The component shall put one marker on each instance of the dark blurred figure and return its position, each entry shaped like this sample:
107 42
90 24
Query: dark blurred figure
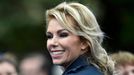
124 63
8 64
35 64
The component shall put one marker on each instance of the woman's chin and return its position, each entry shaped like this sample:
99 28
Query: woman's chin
58 62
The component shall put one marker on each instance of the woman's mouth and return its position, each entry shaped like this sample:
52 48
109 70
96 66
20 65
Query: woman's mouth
56 53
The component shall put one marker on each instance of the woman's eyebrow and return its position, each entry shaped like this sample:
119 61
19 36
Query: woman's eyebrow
61 30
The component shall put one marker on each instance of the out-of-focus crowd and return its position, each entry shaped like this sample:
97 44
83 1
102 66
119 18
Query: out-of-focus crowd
34 63
37 63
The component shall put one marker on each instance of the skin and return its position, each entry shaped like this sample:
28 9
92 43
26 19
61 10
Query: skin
126 70
7 69
32 66
64 47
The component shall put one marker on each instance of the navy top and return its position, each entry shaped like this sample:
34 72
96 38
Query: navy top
81 67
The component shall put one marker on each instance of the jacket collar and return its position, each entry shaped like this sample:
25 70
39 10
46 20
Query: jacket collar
81 61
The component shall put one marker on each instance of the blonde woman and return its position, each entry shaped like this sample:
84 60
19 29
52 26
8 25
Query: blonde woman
74 40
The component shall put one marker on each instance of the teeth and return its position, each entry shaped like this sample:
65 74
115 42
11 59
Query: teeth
57 52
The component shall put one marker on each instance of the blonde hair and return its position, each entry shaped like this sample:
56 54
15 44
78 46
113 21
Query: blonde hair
124 58
86 27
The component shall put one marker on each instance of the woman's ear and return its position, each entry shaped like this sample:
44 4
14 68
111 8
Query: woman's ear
84 45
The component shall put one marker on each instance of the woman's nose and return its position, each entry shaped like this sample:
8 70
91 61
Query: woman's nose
54 41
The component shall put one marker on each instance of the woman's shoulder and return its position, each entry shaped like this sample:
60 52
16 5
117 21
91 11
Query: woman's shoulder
90 69
85 70
82 67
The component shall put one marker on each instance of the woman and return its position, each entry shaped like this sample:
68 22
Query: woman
74 40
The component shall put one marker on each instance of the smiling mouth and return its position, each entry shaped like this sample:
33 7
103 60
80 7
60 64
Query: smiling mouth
57 52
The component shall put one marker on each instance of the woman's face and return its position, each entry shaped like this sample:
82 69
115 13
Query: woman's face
64 47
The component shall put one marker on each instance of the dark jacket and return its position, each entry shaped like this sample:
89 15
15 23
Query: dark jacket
81 67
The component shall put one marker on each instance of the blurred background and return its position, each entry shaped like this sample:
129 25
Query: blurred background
22 24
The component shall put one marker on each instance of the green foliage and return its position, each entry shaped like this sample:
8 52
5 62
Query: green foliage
22 23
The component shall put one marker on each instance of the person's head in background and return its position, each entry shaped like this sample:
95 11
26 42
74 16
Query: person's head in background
72 31
35 64
8 64
124 62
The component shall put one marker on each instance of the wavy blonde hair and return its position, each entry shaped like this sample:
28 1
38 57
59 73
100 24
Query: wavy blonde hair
79 20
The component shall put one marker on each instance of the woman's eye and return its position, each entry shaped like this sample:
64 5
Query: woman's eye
63 34
49 36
